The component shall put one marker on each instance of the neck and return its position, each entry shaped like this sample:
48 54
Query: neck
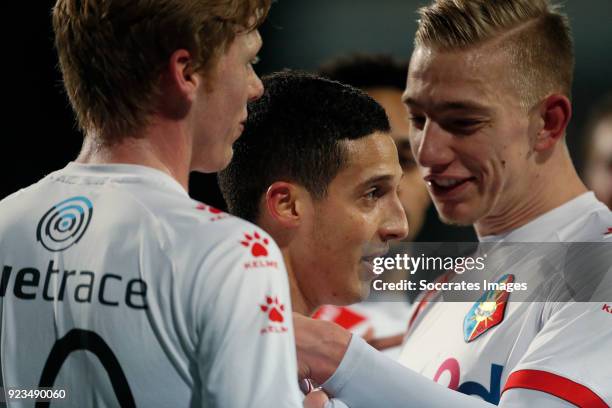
550 188
164 146
299 303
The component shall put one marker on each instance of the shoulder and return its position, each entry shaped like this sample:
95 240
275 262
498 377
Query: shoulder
593 226
200 235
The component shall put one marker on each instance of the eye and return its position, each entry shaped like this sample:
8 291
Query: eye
465 123
372 194
418 121
464 126
376 192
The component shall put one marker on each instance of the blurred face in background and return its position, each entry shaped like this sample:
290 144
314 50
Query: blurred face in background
598 171
413 191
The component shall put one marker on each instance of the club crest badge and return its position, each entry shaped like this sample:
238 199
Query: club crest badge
487 312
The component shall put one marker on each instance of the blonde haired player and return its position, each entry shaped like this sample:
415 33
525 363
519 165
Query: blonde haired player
488 94
116 287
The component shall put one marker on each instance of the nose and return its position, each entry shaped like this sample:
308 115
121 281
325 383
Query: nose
256 88
433 148
395 224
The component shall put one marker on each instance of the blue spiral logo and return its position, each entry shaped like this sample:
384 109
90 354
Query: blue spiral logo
64 224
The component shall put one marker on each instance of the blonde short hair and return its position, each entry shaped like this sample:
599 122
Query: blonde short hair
535 33
112 52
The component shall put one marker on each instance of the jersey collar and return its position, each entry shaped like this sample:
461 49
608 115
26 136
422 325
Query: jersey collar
546 225
126 171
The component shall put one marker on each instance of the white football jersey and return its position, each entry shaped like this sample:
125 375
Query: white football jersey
551 345
118 288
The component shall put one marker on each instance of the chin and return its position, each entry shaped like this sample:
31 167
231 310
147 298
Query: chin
365 291
229 153
213 161
457 214
225 159
349 296
361 292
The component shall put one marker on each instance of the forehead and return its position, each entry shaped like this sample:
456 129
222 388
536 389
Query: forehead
368 158
475 76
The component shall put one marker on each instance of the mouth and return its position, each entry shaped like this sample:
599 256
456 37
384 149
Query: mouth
367 262
448 187
370 259
367 270
377 250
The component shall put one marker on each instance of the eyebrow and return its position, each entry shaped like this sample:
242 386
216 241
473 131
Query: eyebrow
378 179
450 105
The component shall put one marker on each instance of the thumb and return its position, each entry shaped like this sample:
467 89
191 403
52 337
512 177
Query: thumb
316 399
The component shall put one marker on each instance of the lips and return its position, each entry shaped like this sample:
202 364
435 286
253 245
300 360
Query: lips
448 187
242 122
240 130
368 259
367 271
375 254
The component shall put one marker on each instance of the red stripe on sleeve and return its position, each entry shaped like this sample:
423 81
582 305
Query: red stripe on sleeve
556 385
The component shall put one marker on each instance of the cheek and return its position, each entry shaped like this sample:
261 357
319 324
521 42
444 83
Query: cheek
235 102
343 227
345 241
240 92
487 160
233 92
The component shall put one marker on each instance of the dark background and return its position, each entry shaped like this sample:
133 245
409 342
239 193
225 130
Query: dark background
39 134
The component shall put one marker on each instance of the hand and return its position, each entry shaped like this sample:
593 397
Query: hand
383 343
369 335
320 347
316 399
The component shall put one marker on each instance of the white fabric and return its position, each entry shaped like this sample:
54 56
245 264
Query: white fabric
568 339
368 379
210 330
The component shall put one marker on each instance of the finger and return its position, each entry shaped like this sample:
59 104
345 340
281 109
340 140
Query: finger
369 334
316 399
384 343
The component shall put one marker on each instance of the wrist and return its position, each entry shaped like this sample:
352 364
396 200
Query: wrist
334 343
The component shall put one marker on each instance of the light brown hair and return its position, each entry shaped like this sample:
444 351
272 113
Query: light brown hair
112 52
535 34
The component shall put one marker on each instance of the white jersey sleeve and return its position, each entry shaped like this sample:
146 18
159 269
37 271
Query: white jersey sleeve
566 358
249 326
176 304
366 378
516 399
354 385
524 398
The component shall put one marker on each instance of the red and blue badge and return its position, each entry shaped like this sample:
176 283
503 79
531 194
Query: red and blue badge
487 312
